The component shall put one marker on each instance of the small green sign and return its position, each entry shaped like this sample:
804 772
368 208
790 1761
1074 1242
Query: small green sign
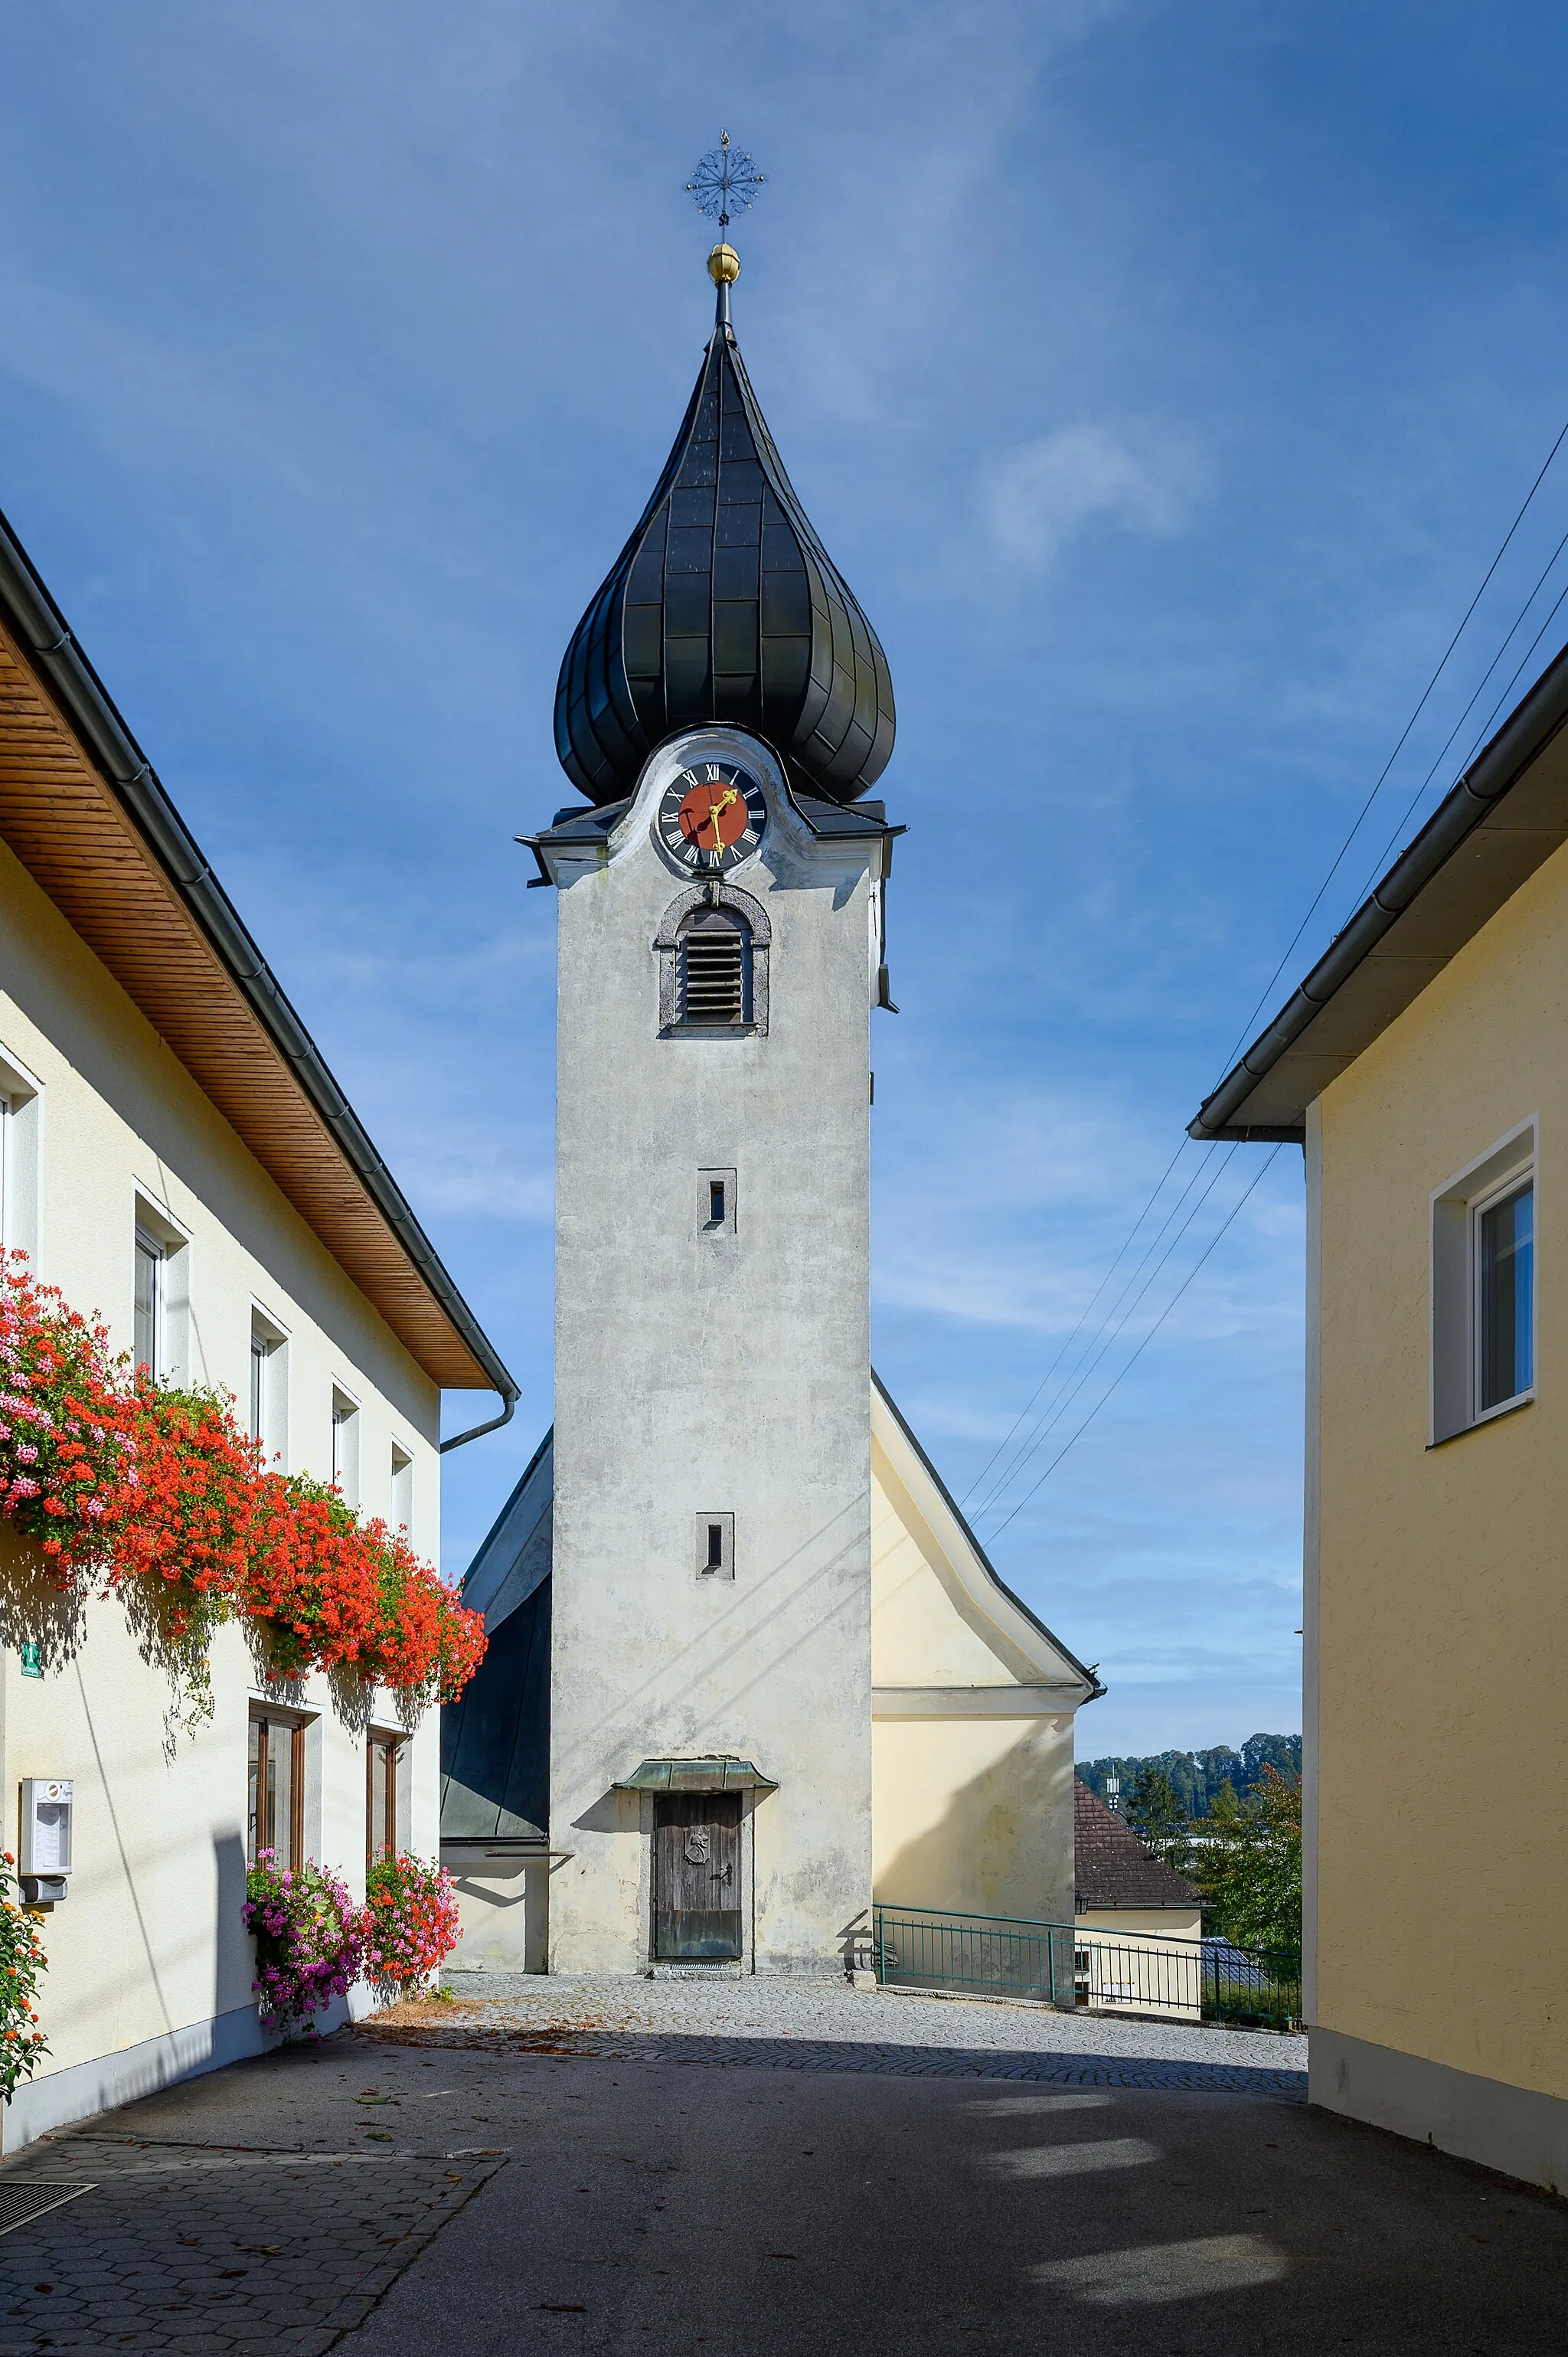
32 1667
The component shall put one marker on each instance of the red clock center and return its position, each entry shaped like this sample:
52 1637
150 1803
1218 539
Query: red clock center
713 816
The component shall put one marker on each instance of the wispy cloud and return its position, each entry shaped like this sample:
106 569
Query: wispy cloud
1036 498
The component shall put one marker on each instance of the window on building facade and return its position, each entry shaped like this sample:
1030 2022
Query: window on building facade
275 1814
715 1545
714 982
268 1418
346 1445
21 1116
161 1294
402 1488
1483 1288
150 1307
1505 1284
383 1754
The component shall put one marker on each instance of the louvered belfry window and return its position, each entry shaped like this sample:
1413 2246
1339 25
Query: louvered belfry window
715 969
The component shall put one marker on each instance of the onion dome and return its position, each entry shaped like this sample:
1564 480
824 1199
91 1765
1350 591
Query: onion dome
724 606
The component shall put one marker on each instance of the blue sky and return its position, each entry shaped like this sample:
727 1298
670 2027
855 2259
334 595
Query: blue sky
1163 380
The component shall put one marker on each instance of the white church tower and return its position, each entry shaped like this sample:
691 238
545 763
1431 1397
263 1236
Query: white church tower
748 1668
724 705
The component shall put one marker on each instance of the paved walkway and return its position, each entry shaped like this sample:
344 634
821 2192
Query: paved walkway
825 2026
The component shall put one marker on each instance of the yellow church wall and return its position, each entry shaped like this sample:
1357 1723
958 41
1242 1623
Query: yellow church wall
972 1712
967 1815
917 1636
1437 1605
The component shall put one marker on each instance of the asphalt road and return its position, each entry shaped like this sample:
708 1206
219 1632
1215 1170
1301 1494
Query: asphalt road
595 2203
663 2209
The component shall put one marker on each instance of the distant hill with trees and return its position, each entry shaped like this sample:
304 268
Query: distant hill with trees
1196 1777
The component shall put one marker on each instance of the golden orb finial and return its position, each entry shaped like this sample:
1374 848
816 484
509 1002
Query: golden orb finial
724 265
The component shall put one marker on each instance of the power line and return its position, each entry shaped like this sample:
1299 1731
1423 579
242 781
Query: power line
1393 757
1148 1338
1085 1367
1004 1444
1382 861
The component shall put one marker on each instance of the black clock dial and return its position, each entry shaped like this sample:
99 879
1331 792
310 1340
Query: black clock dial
711 816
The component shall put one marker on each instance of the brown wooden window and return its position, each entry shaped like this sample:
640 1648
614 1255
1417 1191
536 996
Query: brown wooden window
382 1753
274 1814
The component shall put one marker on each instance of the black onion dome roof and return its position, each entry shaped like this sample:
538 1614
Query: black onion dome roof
724 605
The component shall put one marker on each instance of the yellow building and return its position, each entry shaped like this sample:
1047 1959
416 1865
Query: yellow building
1423 1067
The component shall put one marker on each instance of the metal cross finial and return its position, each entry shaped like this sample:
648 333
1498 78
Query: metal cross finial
724 177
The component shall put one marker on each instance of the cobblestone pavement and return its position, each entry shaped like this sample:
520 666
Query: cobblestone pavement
264 2235
817 2026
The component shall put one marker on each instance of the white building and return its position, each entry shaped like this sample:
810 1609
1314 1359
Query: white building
178 1156
747 1660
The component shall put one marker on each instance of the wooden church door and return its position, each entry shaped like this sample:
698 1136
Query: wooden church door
696 1875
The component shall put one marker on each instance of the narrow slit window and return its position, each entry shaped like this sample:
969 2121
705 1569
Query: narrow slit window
1505 1274
716 1202
715 1547
715 970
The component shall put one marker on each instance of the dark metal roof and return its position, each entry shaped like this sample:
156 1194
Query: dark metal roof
724 606
495 1739
726 1774
1507 815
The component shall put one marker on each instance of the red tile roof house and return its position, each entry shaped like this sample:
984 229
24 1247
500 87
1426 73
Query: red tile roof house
1137 1922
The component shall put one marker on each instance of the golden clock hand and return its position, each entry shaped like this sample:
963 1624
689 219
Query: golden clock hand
716 810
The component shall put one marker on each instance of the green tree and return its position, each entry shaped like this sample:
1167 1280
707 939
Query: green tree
1249 1870
1158 1816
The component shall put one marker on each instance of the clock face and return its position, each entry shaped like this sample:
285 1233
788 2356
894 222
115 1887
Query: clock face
711 816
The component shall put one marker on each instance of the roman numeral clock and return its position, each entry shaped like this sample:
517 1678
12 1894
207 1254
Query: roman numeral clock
712 816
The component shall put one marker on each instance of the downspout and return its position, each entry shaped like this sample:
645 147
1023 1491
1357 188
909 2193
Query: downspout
495 1424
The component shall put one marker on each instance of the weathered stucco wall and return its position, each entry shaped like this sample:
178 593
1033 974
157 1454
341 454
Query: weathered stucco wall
149 1968
727 1373
1441 1605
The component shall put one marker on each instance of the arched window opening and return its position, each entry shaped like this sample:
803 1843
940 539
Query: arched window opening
715 969
713 948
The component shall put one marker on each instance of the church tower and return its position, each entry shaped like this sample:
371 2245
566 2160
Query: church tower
723 708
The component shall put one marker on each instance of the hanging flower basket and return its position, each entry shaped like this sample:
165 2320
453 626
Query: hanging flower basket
411 1922
308 1936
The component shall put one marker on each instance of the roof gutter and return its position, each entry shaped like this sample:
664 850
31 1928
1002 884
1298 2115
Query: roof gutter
83 697
1521 740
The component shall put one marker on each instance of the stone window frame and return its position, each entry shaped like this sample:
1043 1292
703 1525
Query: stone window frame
712 894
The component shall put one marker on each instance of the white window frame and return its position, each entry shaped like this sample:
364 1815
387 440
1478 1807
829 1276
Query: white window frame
149 1248
346 1435
1457 1211
154 1226
400 1489
273 1403
21 1160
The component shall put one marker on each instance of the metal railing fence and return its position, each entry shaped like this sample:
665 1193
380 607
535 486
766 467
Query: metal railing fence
1070 1965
